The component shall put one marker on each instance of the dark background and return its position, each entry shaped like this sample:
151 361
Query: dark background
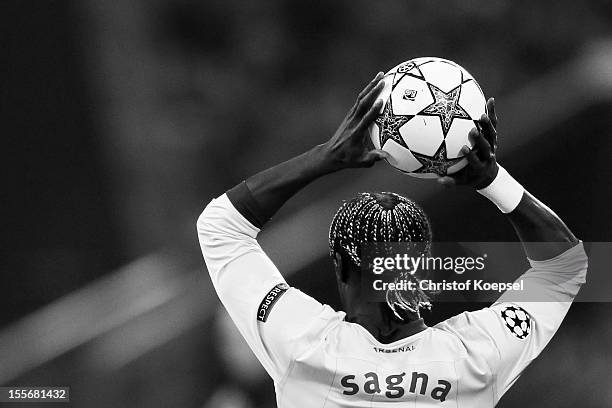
123 119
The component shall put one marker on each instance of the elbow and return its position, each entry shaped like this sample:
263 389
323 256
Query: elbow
202 220
206 226
582 262
222 238
219 230
585 265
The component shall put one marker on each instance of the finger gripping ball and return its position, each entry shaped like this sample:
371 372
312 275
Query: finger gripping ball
430 105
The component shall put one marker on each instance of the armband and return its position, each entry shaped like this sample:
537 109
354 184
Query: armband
242 199
504 191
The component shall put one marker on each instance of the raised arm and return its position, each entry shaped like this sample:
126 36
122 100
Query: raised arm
348 147
270 315
517 327
543 234
228 226
534 223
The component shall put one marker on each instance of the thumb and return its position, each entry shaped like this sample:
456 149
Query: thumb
376 155
373 156
447 181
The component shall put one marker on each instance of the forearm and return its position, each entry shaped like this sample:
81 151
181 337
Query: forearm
228 226
260 197
271 188
543 233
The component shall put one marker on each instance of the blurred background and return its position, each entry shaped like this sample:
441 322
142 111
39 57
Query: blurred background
124 118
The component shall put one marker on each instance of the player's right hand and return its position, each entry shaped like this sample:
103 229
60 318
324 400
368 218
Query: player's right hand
482 165
350 146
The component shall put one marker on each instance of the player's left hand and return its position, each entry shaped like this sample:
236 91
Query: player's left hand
482 165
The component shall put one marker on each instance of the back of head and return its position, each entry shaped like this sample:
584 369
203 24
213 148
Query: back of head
378 218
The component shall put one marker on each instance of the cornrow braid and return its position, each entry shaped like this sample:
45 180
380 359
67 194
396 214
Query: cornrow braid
380 218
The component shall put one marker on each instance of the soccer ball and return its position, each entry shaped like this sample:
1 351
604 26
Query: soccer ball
430 105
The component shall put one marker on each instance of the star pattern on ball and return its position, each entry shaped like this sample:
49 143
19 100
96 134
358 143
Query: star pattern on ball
439 163
406 69
445 106
389 123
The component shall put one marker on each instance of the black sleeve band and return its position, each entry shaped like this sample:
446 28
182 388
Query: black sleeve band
241 197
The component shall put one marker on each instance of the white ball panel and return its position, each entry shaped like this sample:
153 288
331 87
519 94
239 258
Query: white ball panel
423 134
403 106
472 100
457 137
466 74
401 157
444 76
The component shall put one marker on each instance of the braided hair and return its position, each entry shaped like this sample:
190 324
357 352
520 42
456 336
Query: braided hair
380 218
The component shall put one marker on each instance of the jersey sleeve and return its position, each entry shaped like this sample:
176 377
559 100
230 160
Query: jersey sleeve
515 329
278 322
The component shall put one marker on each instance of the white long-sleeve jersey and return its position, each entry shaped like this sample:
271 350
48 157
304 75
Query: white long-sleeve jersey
319 360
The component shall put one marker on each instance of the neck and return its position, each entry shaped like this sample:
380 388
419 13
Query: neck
379 320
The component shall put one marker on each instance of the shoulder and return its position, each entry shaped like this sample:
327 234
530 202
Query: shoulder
448 340
298 315
468 330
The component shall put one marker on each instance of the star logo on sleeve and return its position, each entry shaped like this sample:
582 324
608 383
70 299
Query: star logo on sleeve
445 106
388 124
438 163
517 321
